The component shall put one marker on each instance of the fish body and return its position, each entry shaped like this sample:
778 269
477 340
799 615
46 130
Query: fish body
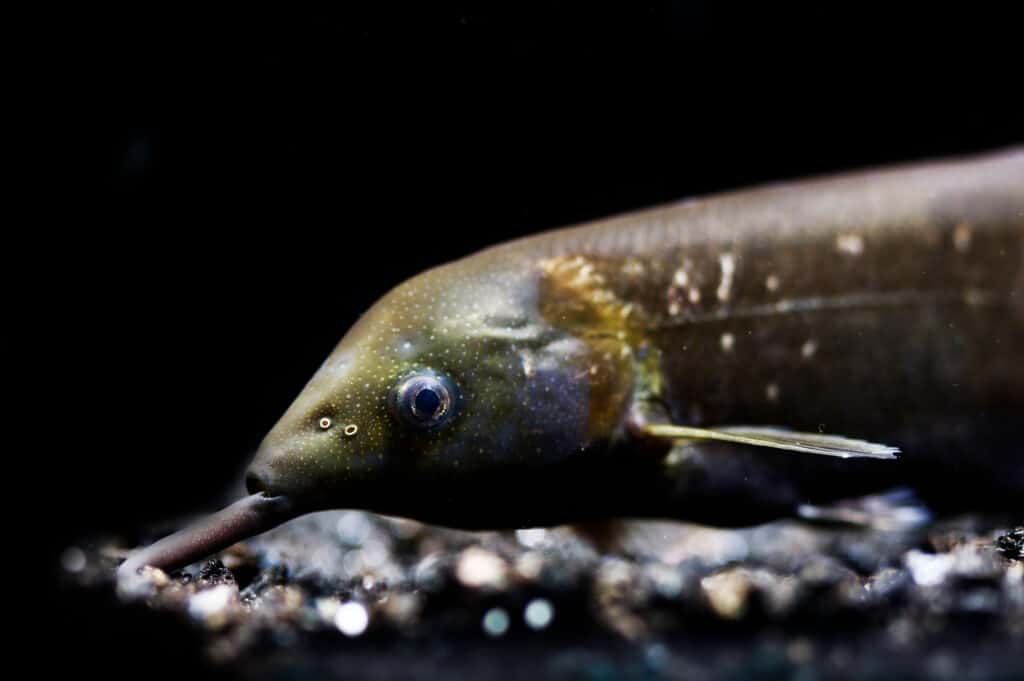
888 305
519 386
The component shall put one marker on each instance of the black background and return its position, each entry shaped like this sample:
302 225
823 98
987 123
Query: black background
244 185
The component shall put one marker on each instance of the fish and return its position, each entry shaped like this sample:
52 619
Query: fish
727 360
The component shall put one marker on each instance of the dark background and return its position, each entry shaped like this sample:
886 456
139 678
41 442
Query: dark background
245 185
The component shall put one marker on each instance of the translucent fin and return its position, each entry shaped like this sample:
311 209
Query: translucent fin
778 438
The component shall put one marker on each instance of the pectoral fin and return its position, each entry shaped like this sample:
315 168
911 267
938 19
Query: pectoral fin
776 438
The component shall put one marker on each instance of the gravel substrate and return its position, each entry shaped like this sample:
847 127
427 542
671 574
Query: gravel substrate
353 595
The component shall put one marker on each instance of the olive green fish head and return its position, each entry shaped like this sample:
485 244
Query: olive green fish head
450 387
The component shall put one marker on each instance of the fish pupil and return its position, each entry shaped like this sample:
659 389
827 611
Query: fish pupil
427 402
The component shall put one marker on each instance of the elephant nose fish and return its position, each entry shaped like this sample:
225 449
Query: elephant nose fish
727 360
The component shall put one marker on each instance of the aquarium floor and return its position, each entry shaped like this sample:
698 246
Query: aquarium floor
349 595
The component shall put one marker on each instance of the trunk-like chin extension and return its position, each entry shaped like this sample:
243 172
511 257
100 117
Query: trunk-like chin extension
246 517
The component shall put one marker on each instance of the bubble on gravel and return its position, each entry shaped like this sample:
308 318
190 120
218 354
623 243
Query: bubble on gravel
530 565
539 613
354 527
374 554
929 569
657 656
403 609
495 622
429 573
667 580
727 592
212 605
352 619
327 608
481 568
532 538
143 584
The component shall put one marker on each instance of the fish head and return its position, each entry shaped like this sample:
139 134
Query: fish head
452 391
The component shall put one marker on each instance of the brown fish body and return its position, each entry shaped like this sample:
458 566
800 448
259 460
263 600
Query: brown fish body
886 304
540 381
883 305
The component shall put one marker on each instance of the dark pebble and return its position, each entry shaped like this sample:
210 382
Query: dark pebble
1011 544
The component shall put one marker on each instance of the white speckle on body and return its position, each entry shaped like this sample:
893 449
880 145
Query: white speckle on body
850 244
728 341
633 268
771 392
584 275
727 261
352 619
962 237
680 278
975 297
694 295
528 363
808 349
772 282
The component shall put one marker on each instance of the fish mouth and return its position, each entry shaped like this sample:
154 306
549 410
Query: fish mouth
255 484
245 518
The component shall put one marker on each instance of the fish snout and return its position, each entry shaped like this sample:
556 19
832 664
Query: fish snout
272 475
264 474
256 480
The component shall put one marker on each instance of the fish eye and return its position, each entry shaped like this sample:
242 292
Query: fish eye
423 400
325 423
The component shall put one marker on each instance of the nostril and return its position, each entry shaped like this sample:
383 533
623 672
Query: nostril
254 483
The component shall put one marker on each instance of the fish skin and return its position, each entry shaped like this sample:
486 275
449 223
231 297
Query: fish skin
885 305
